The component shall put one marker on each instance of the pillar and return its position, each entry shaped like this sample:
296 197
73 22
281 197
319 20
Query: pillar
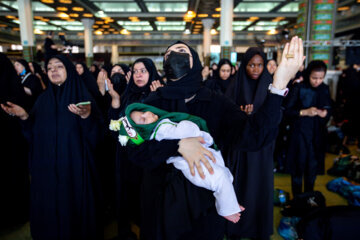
114 54
226 32
316 21
207 23
26 29
88 38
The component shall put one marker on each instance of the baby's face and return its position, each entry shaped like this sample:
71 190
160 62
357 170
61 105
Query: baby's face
143 117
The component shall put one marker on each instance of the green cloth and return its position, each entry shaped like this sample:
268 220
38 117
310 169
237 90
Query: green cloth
139 133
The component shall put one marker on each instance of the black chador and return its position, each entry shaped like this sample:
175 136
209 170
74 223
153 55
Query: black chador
65 193
252 170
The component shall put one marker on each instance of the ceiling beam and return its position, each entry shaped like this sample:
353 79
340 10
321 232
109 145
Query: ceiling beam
279 6
250 25
144 9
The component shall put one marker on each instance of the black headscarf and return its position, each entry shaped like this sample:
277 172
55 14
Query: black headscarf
10 86
244 90
25 64
221 84
107 68
96 72
119 79
315 65
124 67
133 93
89 80
177 91
38 70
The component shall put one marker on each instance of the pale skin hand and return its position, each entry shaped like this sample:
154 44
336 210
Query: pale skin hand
311 112
115 97
128 76
288 67
82 111
102 76
322 113
155 85
194 153
15 110
248 109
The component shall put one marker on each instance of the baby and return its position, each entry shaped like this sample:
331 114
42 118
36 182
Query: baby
141 123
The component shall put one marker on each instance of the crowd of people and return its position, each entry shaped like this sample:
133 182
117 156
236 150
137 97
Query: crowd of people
188 142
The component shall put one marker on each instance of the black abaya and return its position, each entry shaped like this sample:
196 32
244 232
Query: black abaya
252 170
14 176
216 83
65 193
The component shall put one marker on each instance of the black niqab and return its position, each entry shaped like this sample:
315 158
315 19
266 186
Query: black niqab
245 90
186 87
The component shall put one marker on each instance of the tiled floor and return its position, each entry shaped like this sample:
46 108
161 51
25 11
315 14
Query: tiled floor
282 181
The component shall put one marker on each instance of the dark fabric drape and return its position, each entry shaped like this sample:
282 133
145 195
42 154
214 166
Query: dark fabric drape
254 193
65 189
14 176
90 82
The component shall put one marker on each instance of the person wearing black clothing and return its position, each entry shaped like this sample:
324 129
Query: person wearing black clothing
14 175
37 71
309 109
88 80
221 78
348 98
249 90
173 208
65 193
31 83
94 69
49 46
143 80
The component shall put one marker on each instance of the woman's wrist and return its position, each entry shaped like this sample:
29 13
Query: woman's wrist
115 103
24 117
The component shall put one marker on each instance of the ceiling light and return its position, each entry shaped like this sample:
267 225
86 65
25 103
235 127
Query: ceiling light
10 17
87 15
343 8
99 22
106 26
38 17
65 1
98 32
95 26
45 19
78 9
202 15
62 8
187 31
124 31
197 26
80 34
16 29
216 15
47 1
161 19
37 31
213 32
271 32
218 9
3 25
63 15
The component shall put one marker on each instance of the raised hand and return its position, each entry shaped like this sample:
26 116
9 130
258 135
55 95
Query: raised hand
155 85
15 110
115 97
291 60
102 76
128 76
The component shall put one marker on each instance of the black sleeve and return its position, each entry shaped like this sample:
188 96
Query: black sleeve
151 154
292 109
250 132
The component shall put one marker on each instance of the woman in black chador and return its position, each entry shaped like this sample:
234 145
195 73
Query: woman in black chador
65 194
221 77
252 170
172 207
14 176
309 109
88 80
30 82
143 80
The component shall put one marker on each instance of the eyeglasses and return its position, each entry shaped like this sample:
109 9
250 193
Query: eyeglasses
142 71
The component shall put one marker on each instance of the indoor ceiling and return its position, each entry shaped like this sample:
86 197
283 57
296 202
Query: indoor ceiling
148 16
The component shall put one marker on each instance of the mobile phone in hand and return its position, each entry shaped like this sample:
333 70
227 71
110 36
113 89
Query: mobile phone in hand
83 103
106 86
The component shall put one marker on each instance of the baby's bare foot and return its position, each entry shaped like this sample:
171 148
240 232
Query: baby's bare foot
233 218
